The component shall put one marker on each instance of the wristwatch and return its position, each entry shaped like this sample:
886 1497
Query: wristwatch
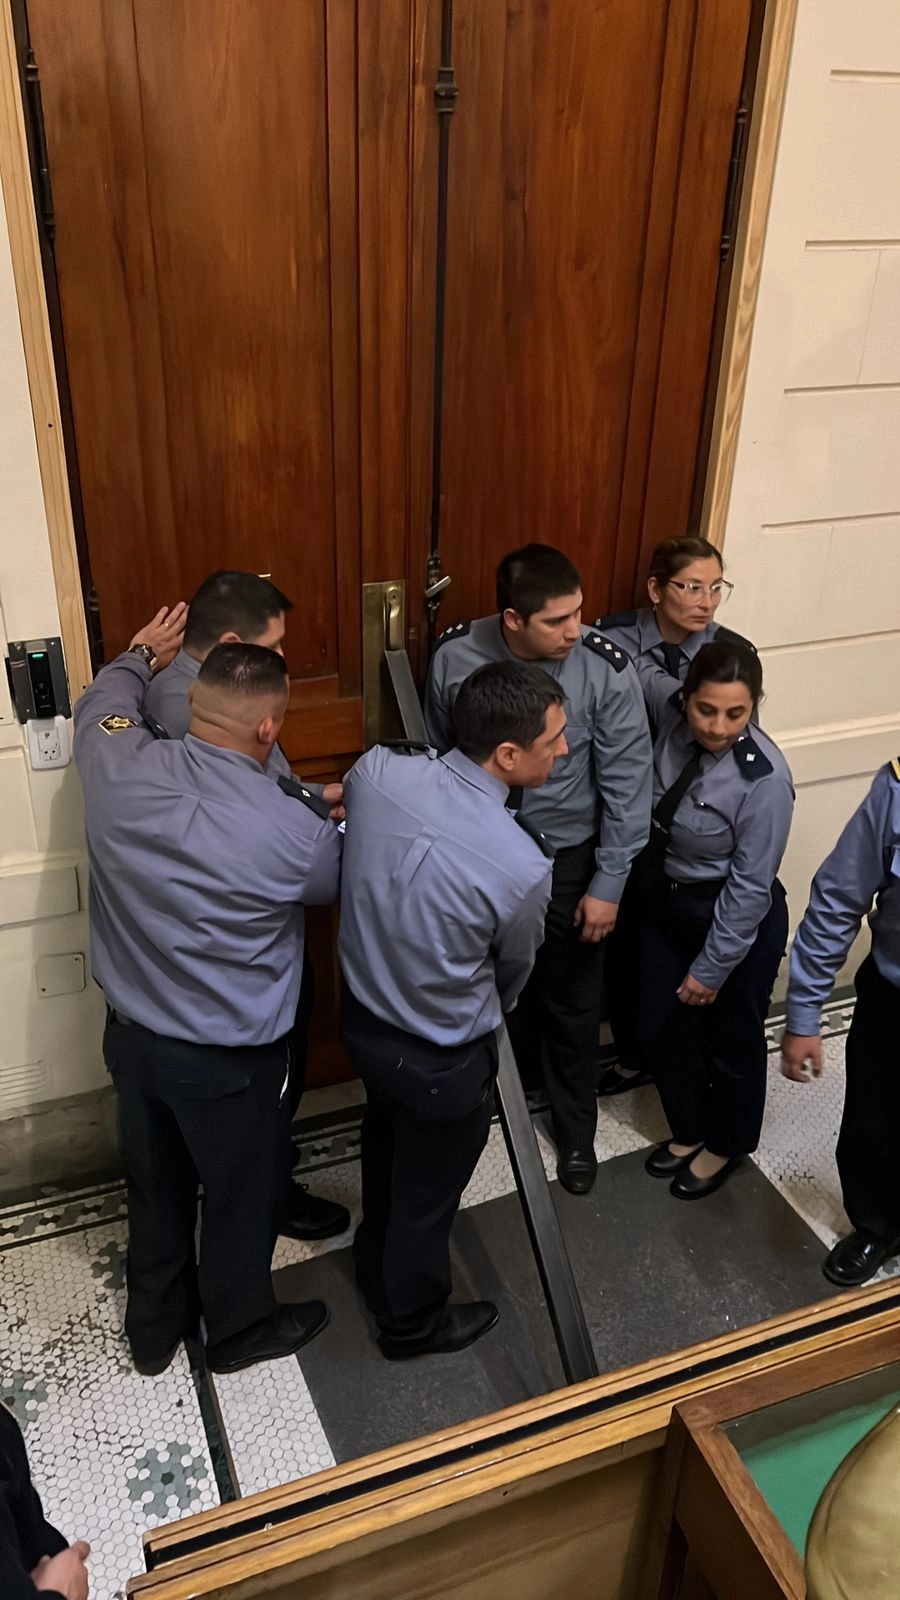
146 653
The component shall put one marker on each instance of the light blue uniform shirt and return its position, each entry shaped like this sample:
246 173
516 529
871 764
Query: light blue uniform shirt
732 824
637 633
603 784
167 702
443 895
200 869
863 866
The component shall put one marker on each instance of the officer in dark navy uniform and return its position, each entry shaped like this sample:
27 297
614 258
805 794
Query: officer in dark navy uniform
244 608
442 910
863 867
713 913
686 588
200 869
594 809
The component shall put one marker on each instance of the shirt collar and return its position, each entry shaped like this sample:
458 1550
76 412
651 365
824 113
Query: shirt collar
472 773
203 751
186 666
650 636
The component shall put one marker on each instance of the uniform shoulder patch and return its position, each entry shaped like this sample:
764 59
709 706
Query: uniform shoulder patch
534 833
895 767
618 659
457 630
728 636
411 747
752 762
299 791
118 724
617 619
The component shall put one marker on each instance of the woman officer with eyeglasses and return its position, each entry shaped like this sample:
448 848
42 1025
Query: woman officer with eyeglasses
686 586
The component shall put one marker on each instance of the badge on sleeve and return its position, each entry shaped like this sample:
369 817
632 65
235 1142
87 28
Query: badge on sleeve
117 724
895 766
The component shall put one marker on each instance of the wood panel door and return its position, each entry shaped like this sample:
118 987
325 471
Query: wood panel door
230 182
590 150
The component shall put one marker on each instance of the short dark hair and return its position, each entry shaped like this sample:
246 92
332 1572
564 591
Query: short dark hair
232 602
672 555
528 578
245 669
505 700
725 662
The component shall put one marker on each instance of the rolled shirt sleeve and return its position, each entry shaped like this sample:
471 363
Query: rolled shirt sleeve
841 894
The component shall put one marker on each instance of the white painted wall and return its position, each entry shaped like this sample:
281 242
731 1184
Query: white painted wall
49 1047
813 528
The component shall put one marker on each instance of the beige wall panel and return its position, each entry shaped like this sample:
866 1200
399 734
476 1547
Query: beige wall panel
881 356
833 307
819 580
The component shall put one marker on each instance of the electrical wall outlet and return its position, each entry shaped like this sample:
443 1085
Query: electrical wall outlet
48 742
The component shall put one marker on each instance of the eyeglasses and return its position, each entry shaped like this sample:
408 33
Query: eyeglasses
720 590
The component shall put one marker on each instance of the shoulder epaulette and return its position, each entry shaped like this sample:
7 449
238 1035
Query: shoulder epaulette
617 619
752 762
156 728
413 747
534 833
457 630
299 791
618 659
895 767
728 636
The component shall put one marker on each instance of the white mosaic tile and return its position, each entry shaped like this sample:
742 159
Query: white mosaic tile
273 1428
112 1453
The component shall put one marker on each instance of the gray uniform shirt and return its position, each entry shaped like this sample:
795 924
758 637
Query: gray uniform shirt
443 895
167 702
604 783
200 868
863 866
637 633
732 824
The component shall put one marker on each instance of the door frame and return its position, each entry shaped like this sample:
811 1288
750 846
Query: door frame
393 491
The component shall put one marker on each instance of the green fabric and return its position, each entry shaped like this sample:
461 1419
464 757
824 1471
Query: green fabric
791 1470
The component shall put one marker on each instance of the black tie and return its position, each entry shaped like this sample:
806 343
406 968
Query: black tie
514 798
667 805
672 659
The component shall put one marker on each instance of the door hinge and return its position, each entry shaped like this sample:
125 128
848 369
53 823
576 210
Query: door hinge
735 166
35 107
445 90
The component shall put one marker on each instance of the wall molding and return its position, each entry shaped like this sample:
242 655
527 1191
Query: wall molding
15 182
834 750
762 149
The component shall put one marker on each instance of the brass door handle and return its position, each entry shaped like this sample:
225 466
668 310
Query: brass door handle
393 617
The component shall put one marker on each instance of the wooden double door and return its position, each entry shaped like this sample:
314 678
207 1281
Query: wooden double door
244 245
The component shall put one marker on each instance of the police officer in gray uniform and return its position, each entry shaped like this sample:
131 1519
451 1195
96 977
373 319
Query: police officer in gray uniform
686 587
200 869
442 909
594 810
863 866
243 608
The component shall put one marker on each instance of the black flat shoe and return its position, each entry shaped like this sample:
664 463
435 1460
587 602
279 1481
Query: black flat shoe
663 1163
150 1366
456 1328
857 1258
311 1216
687 1186
615 1082
283 1334
576 1170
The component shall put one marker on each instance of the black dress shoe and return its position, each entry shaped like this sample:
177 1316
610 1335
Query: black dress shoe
663 1162
457 1327
150 1366
687 1186
284 1333
615 1082
576 1170
310 1216
856 1259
